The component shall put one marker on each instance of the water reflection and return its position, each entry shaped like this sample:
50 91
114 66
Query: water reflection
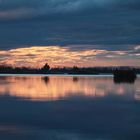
119 80
56 88
92 108
46 79
75 79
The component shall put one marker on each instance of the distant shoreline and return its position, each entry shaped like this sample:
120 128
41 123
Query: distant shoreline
63 75
66 75
47 70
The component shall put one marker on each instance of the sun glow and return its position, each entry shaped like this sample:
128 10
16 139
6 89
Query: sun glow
58 56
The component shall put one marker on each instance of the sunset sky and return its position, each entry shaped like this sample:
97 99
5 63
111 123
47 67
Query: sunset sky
70 32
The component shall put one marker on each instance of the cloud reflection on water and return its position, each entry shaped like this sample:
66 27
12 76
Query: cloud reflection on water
92 108
55 88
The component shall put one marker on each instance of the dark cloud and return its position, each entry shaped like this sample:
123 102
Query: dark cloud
66 22
37 7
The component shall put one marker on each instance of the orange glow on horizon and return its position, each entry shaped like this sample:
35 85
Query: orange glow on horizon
57 56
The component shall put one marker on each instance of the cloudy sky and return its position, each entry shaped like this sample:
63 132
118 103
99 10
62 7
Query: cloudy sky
70 32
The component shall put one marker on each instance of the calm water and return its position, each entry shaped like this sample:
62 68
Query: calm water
68 108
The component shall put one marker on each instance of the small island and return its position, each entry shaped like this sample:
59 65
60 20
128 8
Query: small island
125 76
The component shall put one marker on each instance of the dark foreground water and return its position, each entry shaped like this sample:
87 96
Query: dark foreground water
68 108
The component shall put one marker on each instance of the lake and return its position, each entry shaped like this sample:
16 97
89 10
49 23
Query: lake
68 108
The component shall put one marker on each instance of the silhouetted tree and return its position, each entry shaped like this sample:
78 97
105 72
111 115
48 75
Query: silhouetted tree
45 68
75 70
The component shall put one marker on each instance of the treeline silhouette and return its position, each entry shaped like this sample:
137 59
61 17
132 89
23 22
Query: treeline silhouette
46 69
